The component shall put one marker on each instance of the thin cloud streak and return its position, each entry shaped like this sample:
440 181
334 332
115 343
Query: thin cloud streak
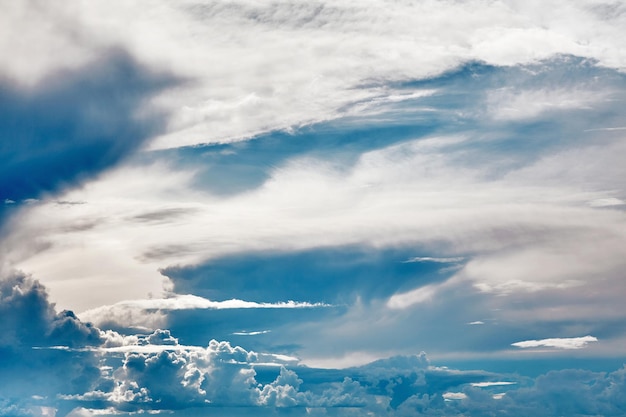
558 343
437 260
151 312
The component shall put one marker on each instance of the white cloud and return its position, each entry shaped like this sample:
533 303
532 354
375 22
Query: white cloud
510 104
451 396
251 333
606 202
257 67
416 296
189 301
263 66
150 312
558 343
350 359
416 195
491 384
437 260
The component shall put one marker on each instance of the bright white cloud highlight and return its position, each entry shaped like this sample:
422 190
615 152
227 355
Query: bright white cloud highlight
507 104
289 64
416 296
251 333
436 260
606 202
491 384
451 396
151 312
558 343
189 301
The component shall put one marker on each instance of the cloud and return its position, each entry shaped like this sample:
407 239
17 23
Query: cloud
30 321
437 260
222 375
152 312
559 343
251 333
219 374
450 396
495 211
516 105
189 301
492 384
338 140
290 64
74 124
407 299
606 202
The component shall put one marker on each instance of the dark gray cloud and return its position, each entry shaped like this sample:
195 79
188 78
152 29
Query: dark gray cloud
333 275
29 329
75 123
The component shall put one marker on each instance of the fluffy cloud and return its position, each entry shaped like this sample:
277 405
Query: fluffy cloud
223 375
217 375
169 376
29 327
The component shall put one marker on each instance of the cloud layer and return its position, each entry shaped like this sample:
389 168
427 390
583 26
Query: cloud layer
436 176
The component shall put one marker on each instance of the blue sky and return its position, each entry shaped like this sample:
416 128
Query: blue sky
324 209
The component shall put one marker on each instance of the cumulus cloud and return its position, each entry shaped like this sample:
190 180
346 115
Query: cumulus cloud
226 375
28 327
449 396
219 374
558 343
222 375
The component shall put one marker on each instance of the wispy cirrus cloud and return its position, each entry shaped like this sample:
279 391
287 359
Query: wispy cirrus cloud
291 64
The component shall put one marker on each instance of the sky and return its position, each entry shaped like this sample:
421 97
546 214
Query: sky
373 208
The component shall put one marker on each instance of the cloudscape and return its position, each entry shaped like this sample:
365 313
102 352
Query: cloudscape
286 208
